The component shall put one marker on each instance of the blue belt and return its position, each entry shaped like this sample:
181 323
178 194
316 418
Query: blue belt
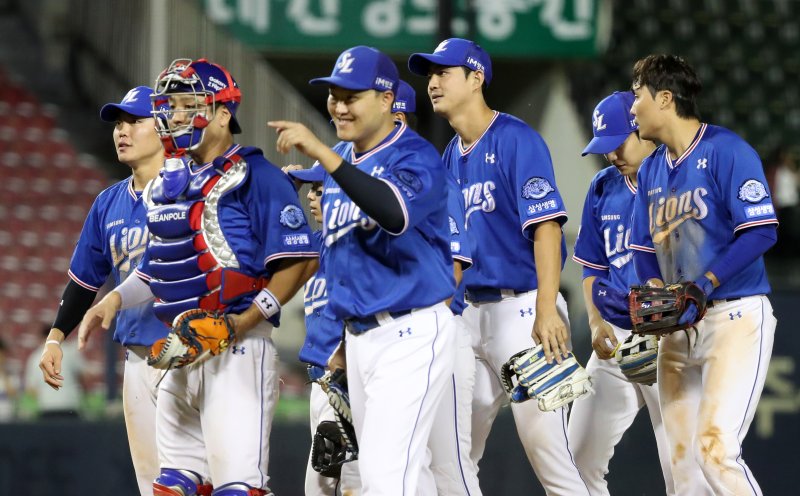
315 372
360 325
489 295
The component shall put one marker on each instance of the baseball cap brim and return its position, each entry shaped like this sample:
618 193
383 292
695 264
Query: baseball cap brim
604 144
110 111
315 174
420 63
340 82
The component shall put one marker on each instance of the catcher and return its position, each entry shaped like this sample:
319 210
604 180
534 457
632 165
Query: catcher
622 365
228 246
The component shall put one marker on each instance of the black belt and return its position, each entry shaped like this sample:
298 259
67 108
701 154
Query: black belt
360 325
489 295
720 301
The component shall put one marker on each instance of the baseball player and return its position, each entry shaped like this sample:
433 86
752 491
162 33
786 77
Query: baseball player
112 241
514 213
404 107
703 213
598 421
388 263
323 333
228 235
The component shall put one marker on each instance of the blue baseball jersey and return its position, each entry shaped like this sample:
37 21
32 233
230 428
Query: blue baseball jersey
371 270
112 242
508 186
323 333
687 211
460 241
604 235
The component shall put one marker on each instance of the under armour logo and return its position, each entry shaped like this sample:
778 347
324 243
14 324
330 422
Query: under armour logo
522 312
237 350
376 171
601 292
597 121
265 301
702 163
402 333
490 158
738 315
345 64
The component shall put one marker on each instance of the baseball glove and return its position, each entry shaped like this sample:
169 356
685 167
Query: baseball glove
637 357
334 384
527 375
196 336
328 451
666 310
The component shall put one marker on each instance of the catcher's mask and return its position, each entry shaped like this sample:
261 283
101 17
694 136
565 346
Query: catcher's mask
182 127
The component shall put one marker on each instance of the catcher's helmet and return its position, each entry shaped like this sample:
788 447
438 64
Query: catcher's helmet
211 83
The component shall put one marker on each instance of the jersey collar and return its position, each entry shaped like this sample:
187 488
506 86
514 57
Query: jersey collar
134 194
630 184
689 150
399 129
232 150
465 151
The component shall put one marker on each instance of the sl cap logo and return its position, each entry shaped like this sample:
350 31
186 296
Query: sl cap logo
442 46
131 95
597 121
345 64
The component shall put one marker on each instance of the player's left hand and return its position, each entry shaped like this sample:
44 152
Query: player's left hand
296 135
293 167
50 365
550 331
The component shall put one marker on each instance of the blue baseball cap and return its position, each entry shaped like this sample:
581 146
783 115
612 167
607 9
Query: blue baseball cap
453 52
362 68
405 98
315 174
612 123
135 102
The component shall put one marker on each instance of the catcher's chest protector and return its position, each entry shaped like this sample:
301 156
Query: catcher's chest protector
187 248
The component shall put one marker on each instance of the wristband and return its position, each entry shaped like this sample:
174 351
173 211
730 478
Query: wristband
52 341
267 303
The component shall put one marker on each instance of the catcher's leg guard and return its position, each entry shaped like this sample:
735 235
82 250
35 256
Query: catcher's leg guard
240 489
175 482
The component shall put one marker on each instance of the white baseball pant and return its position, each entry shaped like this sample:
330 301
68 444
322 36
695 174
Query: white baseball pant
139 394
710 379
215 418
599 420
397 374
502 329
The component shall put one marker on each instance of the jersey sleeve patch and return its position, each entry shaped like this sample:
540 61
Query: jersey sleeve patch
296 240
536 188
292 217
752 191
759 211
409 181
537 208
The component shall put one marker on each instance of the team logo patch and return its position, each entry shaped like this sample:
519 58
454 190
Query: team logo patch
536 188
410 180
292 217
453 226
752 191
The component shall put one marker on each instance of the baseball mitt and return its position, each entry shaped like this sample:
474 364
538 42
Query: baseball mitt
666 310
328 451
334 384
196 336
527 375
637 357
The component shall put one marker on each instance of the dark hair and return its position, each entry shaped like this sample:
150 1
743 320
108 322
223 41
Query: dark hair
673 74
468 71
